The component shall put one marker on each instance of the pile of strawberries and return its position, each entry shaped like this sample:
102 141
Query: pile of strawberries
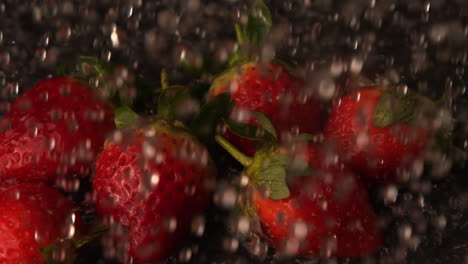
304 187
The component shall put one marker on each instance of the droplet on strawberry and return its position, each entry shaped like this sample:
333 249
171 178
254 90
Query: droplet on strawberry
154 183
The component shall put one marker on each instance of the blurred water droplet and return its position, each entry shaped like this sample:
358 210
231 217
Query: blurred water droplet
154 180
230 244
71 231
404 232
198 225
390 194
185 255
226 197
336 68
327 89
300 230
439 222
171 224
114 37
355 65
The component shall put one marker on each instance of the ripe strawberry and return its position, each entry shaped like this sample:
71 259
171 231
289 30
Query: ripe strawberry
273 91
33 216
372 132
153 183
55 129
321 211
326 214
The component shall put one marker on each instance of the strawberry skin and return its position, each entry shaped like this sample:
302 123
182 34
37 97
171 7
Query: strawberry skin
374 153
273 91
33 216
153 185
327 214
54 129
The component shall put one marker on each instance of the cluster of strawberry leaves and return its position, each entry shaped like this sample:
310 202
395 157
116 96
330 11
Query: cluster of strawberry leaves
392 108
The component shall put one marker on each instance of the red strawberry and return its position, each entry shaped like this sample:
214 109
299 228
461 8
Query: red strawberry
33 216
371 129
273 91
153 183
326 214
54 129
323 211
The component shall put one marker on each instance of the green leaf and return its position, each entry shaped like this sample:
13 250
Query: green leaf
258 24
287 63
235 59
265 123
170 99
273 176
393 108
211 113
125 117
244 130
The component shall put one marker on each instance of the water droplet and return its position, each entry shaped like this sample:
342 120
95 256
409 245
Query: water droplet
71 231
355 65
114 37
148 150
390 194
198 225
226 197
327 89
404 232
230 244
185 255
171 224
362 140
439 222
154 180
300 230
243 225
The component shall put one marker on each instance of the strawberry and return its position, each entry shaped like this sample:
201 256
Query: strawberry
269 87
305 206
33 216
51 131
326 214
374 131
153 181
272 90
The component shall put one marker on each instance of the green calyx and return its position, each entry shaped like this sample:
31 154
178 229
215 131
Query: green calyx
268 169
395 106
125 117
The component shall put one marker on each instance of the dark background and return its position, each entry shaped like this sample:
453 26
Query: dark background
423 43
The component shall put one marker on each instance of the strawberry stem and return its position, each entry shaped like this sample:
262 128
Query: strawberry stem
239 156
239 34
164 80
